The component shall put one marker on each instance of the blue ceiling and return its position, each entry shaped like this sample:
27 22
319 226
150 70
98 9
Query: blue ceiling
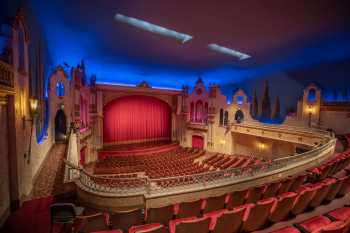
279 35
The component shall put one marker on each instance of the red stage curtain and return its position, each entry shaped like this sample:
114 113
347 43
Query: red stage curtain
197 142
136 118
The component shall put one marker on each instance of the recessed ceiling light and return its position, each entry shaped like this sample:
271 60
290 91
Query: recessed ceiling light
231 52
152 28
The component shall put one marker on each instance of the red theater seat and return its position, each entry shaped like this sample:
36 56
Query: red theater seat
236 199
321 192
287 230
254 194
256 215
344 189
159 215
335 187
341 214
214 203
297 183
336 227
282 207
302 200
110 231
189 225
314 224
271 190
149 228
229 221
189 209
285 185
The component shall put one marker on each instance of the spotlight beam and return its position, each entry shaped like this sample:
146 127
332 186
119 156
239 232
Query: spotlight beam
227 51
152 28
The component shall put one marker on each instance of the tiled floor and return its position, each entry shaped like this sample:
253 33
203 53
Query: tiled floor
50 179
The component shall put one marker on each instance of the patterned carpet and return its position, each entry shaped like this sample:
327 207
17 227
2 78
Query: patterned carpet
50 178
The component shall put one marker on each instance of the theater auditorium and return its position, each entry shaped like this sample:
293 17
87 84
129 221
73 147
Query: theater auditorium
160 116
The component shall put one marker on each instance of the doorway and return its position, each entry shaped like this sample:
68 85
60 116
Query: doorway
60 126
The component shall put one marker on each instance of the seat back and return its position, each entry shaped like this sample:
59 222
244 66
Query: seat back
271 190
321 193
254 194
237 198
159 215
335 187
282 207
257 215
189 209
345 186
214 203
125 219
230 221
336 227
302 201
200 225
297 183
285 186
62 213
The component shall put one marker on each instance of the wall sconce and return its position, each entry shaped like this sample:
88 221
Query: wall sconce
33 108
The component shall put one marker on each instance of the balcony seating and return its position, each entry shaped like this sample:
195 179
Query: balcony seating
285 185
287 230
334 189
197 225
314 224
237 198
149 228
228 221
159 215
257 214
271 190
297 183
302 200
344 189
321 193
341 214
214 203
254 194
282 207
320 224
124 220
189 209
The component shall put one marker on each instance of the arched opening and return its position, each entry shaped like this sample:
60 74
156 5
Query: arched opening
136 119
226 118
311 97
192 112
197 142
199 111
221 121
60 126
239 116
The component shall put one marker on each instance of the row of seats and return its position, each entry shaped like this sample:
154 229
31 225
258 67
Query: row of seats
336 221
221 161
222 215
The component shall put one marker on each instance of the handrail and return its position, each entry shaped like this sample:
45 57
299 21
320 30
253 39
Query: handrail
116 186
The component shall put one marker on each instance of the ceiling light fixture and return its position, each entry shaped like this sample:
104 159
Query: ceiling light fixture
231 52
152 28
